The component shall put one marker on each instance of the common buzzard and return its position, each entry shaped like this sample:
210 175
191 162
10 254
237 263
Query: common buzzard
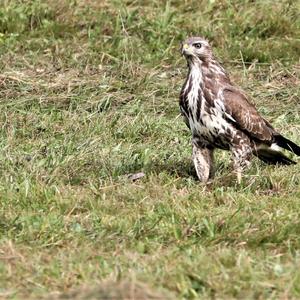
220 115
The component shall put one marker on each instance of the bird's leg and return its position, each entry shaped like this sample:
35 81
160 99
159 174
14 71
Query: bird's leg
241 155
203 161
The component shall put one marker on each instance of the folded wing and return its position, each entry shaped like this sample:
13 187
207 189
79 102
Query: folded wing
246 116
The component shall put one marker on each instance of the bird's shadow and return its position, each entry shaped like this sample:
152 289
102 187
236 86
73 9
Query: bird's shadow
182 168
223 175
185 169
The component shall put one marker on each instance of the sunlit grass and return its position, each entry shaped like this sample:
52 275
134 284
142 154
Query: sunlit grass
89 94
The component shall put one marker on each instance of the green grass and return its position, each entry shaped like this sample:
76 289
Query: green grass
89 94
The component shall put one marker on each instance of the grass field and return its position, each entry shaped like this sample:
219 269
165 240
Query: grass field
89 94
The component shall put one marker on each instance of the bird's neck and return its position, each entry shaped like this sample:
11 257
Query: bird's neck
195 72
194 63
214 70
210 68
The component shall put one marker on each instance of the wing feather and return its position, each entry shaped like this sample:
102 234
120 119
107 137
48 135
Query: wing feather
246 116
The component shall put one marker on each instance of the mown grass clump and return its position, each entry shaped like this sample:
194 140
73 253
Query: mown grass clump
89 94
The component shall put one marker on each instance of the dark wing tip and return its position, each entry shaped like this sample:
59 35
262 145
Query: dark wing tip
285 143
272 157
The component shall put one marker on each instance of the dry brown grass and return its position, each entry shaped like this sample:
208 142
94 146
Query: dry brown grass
110 290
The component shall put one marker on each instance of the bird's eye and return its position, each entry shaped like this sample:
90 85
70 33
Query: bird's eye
197 45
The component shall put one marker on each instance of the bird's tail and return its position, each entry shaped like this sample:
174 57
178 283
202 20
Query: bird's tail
287 144
273 157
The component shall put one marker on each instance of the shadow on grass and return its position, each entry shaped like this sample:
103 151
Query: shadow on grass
182 168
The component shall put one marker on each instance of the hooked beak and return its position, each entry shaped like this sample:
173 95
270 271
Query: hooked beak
185 49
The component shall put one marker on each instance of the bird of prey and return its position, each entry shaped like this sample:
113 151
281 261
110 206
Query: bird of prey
220 115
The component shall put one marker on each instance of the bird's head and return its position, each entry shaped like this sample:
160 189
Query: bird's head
196 47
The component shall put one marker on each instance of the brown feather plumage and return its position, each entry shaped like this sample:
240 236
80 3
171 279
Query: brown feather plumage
246 115
220 115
